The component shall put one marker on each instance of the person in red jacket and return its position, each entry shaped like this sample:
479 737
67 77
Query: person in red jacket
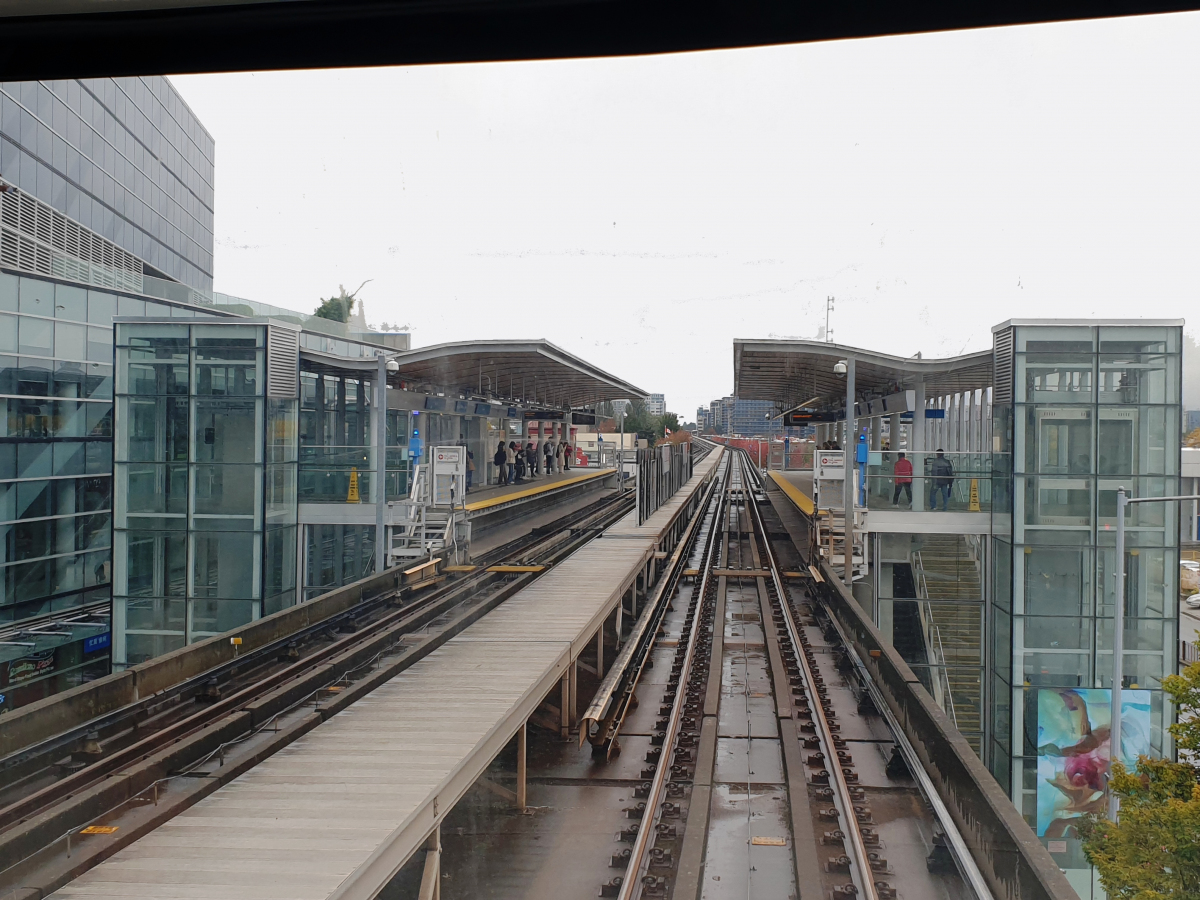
903 479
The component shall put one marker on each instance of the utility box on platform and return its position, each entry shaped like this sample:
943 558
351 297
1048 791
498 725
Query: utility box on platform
449 475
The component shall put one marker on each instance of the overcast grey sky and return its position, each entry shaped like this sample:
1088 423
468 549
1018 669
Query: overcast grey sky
643 212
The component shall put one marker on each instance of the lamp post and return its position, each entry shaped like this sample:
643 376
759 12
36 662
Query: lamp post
1118 675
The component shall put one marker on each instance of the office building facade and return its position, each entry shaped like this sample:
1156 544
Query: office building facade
656 405
123 157
106 195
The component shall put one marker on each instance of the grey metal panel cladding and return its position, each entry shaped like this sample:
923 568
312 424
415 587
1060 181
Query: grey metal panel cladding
283 363
1002 356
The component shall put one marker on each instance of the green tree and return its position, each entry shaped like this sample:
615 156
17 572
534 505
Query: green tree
338 308
1152 851
639 421
665 421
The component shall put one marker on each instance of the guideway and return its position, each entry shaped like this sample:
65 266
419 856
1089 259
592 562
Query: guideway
338 812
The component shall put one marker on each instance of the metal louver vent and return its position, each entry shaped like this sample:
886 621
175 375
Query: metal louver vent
38 238
283 363
1002 358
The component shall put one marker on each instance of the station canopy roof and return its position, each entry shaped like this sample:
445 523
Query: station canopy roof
537 371
793 372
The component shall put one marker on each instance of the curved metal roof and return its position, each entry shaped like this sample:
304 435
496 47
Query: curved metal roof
795 371
536 371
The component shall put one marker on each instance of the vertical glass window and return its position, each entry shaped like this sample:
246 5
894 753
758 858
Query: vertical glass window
36 336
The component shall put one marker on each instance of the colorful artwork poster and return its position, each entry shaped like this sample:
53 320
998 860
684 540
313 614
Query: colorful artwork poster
1073 751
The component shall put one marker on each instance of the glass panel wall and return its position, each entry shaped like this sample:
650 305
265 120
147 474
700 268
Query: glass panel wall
336 441
206 474
1094 408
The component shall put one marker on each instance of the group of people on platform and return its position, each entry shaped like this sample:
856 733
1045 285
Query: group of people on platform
514 463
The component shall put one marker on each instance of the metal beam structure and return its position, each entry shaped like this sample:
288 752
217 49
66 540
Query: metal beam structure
801 372
536 371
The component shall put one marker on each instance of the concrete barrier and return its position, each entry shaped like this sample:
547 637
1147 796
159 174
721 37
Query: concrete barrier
69 709
1008 853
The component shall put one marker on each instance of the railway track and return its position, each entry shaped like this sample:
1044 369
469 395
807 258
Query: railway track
773 769
93 772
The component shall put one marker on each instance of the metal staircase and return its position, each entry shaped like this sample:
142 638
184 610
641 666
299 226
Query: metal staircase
416 527
948 568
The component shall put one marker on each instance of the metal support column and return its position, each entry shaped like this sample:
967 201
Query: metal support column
564 722
522 748
573 703
849 493
380 486
917 446
431 878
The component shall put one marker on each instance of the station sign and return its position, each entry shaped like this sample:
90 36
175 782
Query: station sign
97 642
580 418
545 415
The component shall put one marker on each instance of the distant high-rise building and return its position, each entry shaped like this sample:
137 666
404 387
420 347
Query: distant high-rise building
656 405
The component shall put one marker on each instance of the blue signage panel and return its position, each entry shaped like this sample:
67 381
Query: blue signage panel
97 642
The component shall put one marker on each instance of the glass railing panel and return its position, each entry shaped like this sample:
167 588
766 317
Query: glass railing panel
956 482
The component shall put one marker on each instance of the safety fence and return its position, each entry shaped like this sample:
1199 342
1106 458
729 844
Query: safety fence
661 471
774 453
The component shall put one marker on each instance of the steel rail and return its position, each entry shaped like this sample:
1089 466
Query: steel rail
631 887
967 867
21 809
605 712
966 864
860 871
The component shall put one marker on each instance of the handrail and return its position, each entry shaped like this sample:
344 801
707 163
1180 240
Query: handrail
945 675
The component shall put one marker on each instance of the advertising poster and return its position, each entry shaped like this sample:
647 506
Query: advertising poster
1073 751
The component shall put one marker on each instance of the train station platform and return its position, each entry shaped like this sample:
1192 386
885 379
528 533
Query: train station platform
339 811
485 501
798 486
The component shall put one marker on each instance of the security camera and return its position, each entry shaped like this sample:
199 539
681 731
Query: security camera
839 367
393 366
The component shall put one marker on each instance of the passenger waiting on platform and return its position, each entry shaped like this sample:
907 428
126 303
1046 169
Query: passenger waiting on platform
566 457
548 456
470 469
943 480
531 459
902 473
510 457
519 463
501 461
558 457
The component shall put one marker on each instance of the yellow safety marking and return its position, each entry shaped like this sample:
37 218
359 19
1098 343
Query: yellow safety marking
797 496
516 568
533 491
100 829
761 841
460 568
973 506
352 493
